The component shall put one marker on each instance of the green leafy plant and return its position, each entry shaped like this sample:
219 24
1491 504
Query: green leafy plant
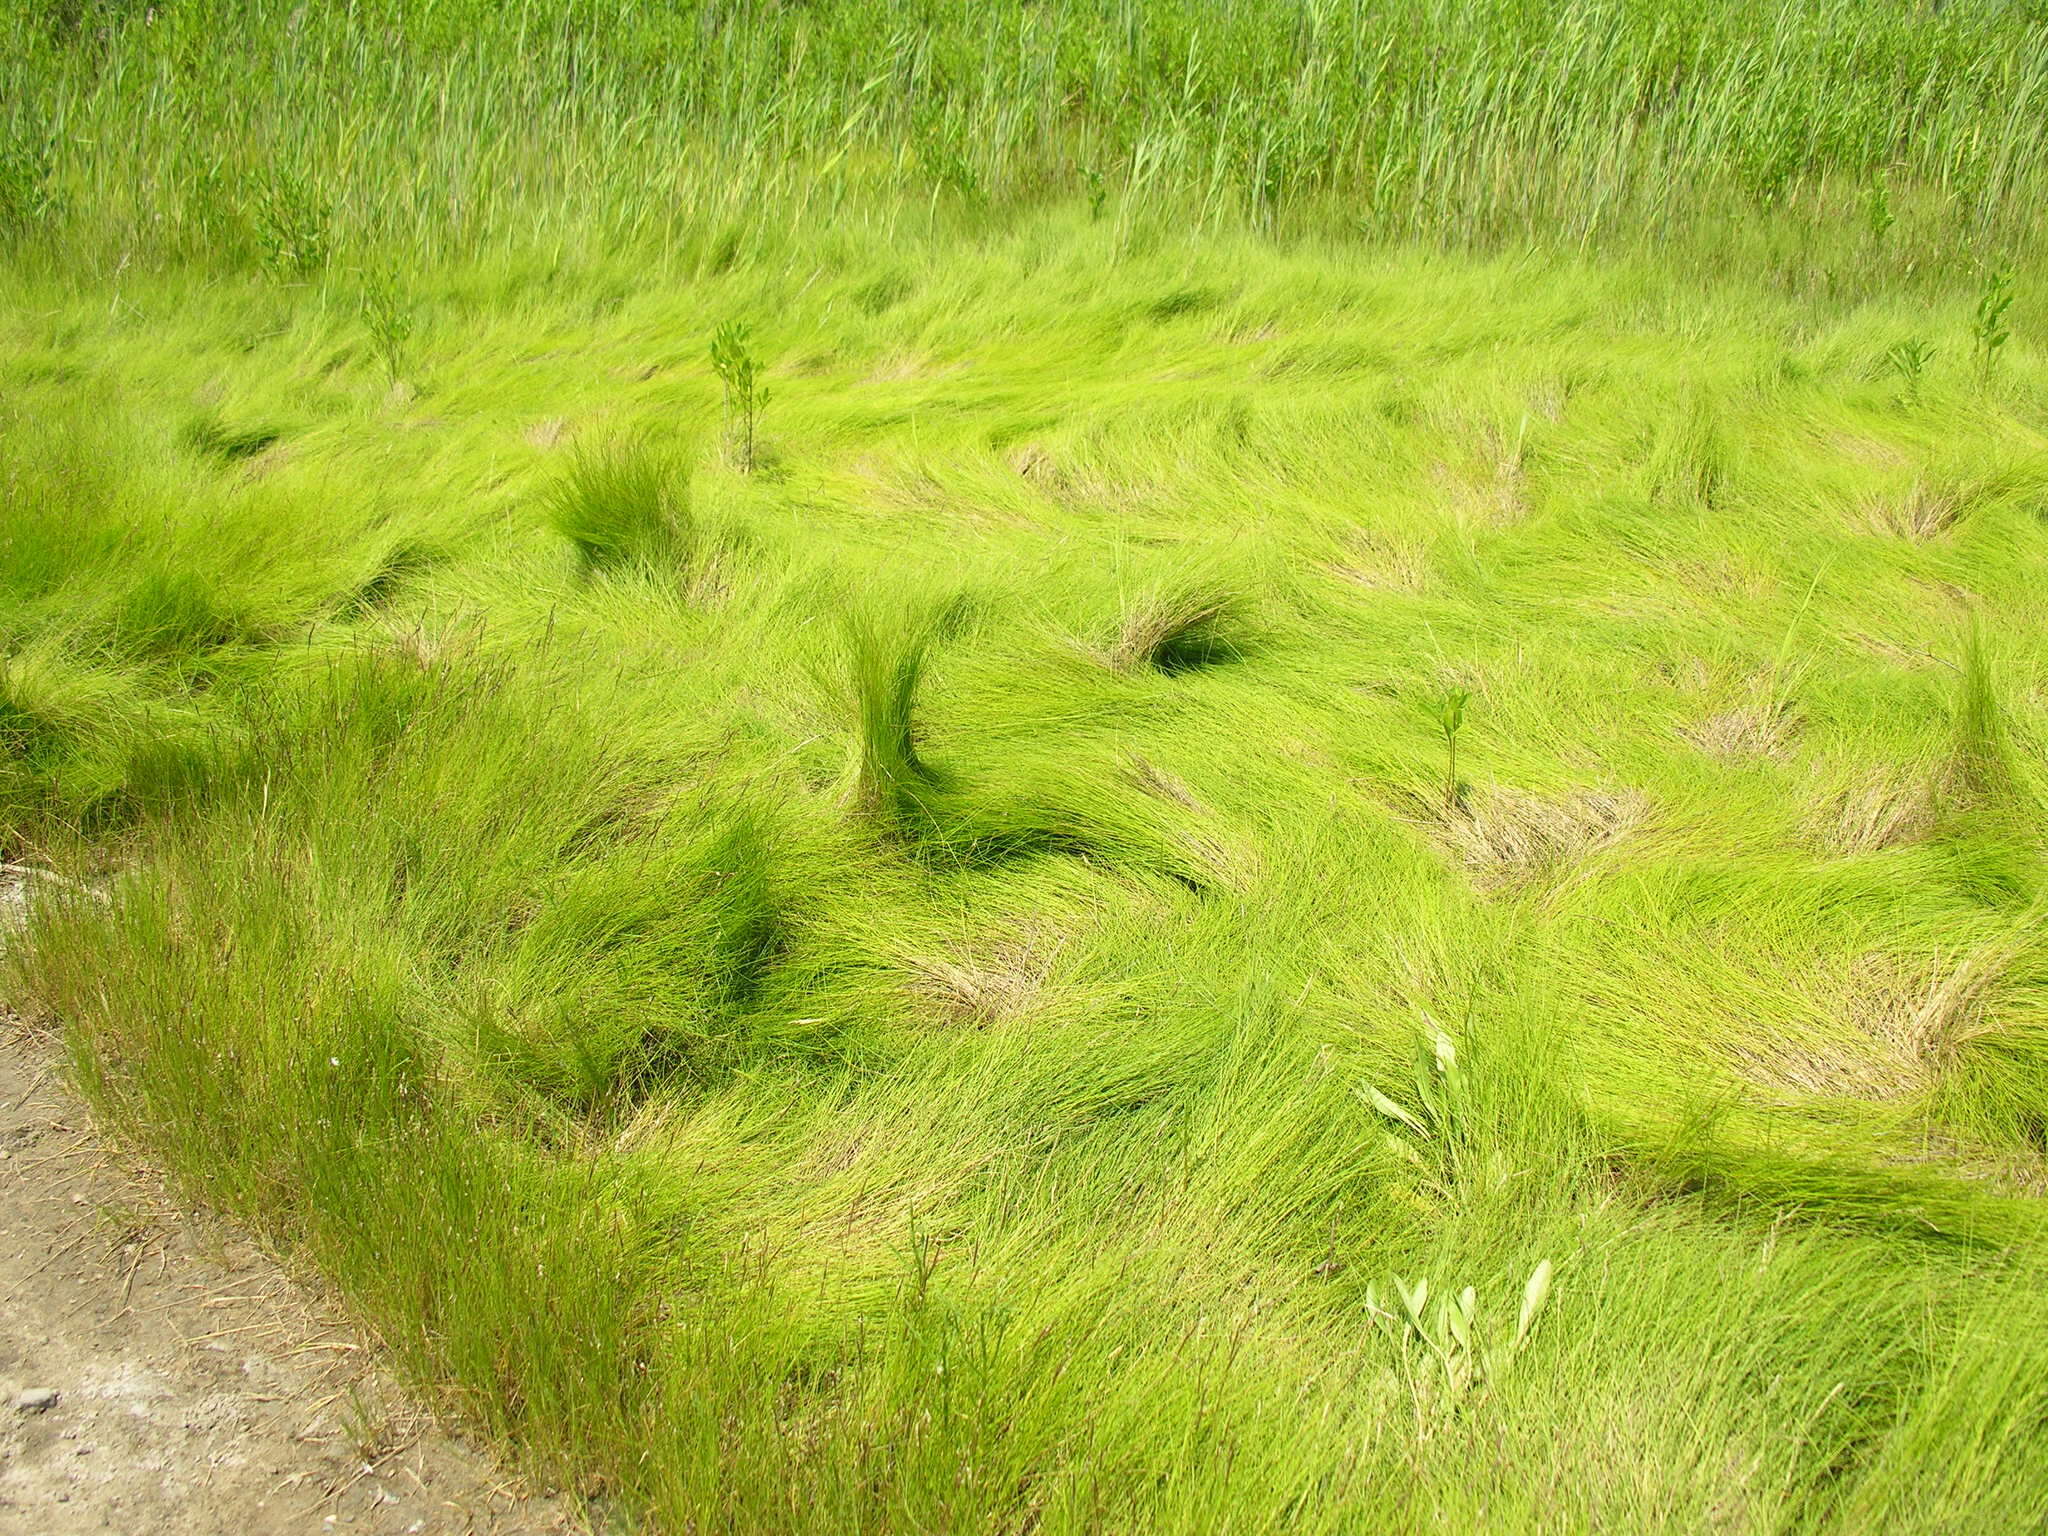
1098 191
289 216
1427 1135
1430 1134
1988 330
1453 1333
1448 713
745 398
389 317
1908 359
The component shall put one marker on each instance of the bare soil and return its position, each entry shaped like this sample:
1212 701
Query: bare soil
201 1389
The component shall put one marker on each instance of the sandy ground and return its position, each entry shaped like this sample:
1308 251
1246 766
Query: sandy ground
199 1389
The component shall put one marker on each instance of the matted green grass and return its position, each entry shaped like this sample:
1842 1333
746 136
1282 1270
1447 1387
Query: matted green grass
880 1015
933 970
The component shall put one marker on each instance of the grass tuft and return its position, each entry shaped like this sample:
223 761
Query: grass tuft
209 436
885 661
1178 625
624 505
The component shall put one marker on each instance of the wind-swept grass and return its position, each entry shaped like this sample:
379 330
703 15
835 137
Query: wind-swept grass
522 946
1254 876
624 504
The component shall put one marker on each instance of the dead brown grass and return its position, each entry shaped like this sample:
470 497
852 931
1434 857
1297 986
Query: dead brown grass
548 432
1922 513
1000 984
1901 1018
1489 488
1887 807
1762 727
1171 625
1383 563
1509 839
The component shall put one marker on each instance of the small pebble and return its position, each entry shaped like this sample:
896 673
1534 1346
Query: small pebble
35 1400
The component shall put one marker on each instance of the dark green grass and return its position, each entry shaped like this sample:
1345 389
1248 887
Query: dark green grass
1905 137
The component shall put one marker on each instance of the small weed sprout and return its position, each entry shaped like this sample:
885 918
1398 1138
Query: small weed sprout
1098 192
1909 359
739 371
1449 715
1878 217
1451 1332
389 317
368 1426
1988 330
1439 1095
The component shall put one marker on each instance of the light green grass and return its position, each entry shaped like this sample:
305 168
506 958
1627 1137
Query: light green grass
905 986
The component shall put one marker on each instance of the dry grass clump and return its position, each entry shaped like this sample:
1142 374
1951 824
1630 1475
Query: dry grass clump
1175 626
1885 808
1508 837
1004 983
1383 563
1922 513
1154 780
1763 728
1893 652
1490 489
1902 1018
429 646
1081 486
548 432
915 490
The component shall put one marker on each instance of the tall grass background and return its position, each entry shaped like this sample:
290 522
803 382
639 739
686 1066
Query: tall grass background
293 133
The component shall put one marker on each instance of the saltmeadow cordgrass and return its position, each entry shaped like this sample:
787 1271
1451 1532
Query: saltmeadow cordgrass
624 504
1235 880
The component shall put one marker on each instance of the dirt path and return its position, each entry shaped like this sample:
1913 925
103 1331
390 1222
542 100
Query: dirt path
198 1390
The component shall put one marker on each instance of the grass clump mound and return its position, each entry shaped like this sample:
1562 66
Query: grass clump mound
891 783
625 505
1178 625
172 612
640 974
